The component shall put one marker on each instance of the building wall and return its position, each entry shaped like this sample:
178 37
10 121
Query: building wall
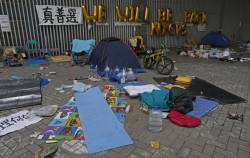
222 14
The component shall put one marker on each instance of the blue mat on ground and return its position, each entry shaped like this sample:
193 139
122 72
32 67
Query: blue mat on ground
202 106
37 62
102 130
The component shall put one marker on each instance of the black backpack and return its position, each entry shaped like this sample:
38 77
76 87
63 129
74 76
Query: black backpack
181 100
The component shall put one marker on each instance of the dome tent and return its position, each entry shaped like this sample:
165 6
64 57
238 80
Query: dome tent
112 52
215 39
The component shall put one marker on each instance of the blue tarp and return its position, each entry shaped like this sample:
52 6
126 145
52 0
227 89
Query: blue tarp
102 130
216 39
79 46
35 61
202 106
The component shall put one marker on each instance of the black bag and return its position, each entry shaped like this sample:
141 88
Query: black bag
181 100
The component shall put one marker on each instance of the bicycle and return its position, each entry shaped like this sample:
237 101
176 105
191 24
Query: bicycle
159 59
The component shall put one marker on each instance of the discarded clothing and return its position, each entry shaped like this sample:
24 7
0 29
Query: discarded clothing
181 100
157 98
183 120
170 86
184 79
136 90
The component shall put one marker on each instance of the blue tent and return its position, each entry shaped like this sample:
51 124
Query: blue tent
112 52
215 39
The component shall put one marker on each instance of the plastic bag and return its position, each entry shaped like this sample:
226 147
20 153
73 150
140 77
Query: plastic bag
45 111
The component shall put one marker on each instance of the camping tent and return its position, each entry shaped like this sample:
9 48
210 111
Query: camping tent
215 39
112 52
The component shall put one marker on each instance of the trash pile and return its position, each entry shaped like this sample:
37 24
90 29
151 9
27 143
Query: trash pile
214 45
209 53
94 112
95 117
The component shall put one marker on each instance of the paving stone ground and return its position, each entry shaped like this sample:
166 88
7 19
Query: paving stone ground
216 137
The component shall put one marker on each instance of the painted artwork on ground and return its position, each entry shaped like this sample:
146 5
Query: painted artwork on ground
66 125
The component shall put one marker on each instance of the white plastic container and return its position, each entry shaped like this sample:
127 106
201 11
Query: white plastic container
155 120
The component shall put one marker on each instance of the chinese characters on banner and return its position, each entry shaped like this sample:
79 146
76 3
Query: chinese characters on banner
17 121
59 15
5 23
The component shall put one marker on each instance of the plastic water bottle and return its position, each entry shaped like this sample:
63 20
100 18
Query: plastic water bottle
123 77
106 71
116 70
155 120
130 75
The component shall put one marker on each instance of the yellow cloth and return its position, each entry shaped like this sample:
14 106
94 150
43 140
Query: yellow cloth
183 79
60 58
170 86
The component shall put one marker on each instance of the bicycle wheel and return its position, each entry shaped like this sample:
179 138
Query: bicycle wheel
148 62
165 66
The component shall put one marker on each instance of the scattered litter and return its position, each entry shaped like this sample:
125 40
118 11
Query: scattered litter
155 144
164 115
235 116
45 111
127 109
80 87
79 78
244 59
75 146
17 121
36 75
46 151
51 141
44 81
93 79
52 73
62 87
35 134
14 77
144 109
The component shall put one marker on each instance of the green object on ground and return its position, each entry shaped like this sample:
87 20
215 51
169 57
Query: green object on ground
156 98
